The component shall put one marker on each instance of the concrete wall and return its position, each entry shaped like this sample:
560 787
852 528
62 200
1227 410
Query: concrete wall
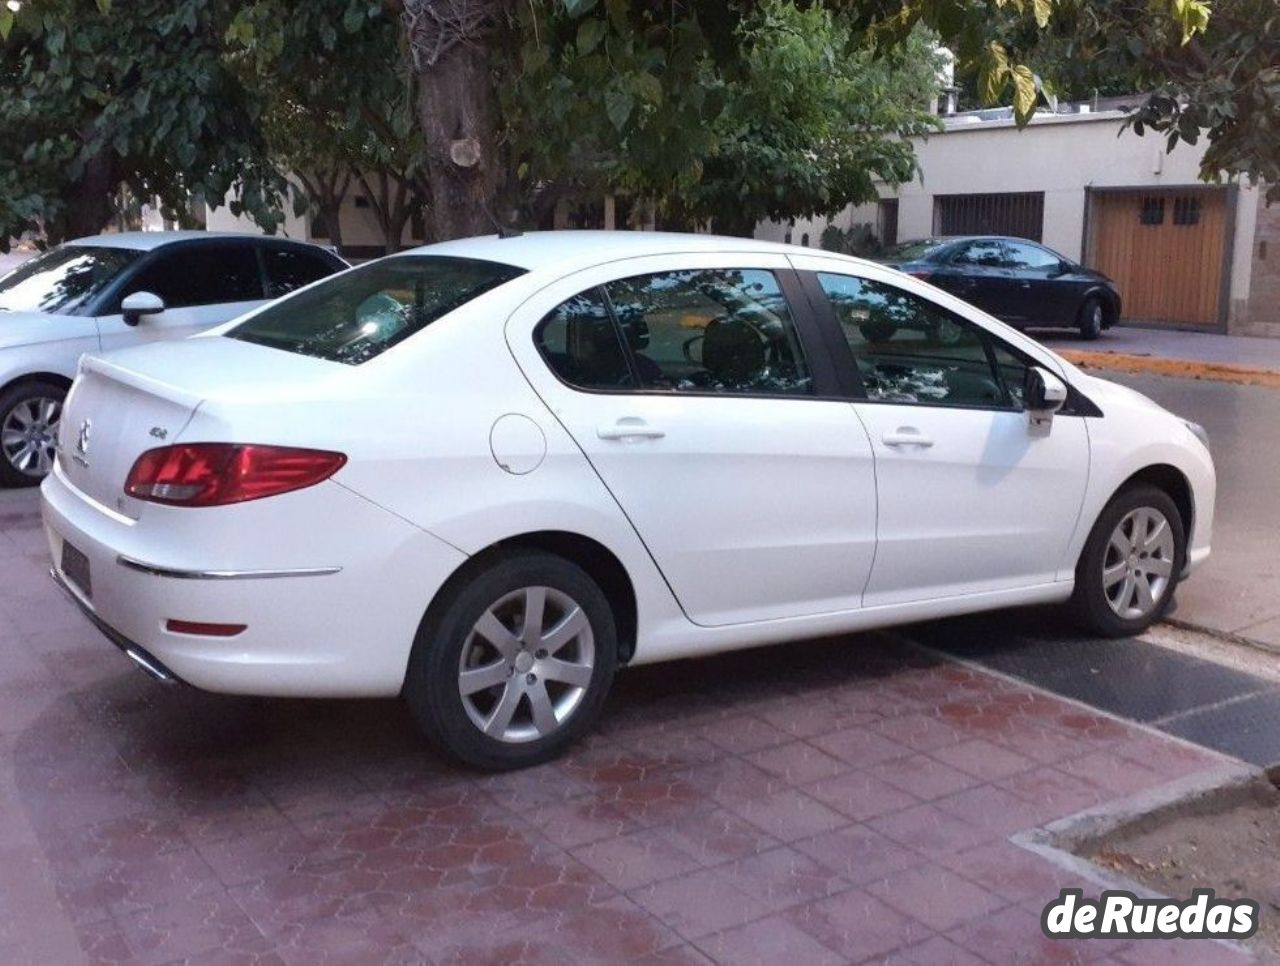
1062 156
1261 310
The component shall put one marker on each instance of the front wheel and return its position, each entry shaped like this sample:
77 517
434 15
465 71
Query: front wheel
1130 564
29 416
1090 318
514 664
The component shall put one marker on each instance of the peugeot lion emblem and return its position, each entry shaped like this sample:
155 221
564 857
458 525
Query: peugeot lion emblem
81 454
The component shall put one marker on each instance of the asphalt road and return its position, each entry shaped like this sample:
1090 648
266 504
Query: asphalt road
1238 590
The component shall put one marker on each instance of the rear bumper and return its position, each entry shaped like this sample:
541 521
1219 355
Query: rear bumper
330 588
148 663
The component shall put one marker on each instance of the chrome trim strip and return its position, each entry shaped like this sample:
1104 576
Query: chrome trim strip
157 571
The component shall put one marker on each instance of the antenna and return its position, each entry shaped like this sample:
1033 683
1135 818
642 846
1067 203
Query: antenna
504 231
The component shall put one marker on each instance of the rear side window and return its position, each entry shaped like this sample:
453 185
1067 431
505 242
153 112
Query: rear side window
711 331
581 345
988 254
291 268
193 275
358 315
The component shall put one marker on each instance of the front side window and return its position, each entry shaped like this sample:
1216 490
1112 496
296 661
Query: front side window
1031 257
358 315
580 343
189 276
63 280
710 330
909 350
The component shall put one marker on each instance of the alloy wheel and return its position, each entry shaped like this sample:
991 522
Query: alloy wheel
1138 563
29 435
526 664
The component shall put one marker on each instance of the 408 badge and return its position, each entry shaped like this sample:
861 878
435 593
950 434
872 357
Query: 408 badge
1120 913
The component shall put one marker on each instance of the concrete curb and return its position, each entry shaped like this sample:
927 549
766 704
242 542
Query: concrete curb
1179 368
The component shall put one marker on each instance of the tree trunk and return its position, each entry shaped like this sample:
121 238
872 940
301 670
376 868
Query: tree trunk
458 111
91 203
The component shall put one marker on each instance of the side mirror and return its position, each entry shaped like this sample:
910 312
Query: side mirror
135 306
1043 394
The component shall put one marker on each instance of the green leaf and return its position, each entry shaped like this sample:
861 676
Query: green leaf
6 22
353 19
104 6
589 36
576 8
1042 9
993 71
1024 94
617 107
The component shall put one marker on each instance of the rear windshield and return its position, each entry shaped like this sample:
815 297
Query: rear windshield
914 251
63 280
360 314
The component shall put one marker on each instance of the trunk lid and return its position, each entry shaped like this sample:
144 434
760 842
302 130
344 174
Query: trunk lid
131 401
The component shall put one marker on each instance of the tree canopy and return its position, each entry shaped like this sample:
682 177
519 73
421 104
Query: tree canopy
719 111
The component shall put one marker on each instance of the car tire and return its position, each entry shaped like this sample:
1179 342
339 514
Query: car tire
1119 559
1091 317
523 675
29 415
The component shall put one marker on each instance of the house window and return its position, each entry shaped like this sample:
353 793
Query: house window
1186 210
804 239
1152 211
361 201
1016 213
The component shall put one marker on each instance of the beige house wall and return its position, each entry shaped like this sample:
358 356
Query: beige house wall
1063 156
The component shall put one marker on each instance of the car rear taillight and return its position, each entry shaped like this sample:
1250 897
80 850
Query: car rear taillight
215 474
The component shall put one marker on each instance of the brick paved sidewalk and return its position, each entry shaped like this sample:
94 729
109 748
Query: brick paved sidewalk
832 802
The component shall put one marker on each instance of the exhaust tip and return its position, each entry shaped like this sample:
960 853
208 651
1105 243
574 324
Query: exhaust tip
149 666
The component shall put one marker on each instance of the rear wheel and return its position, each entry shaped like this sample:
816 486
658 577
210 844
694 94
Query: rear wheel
29 416
514 664
1090 317
1130 564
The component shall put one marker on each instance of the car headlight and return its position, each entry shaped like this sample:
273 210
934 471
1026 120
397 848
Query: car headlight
1198 431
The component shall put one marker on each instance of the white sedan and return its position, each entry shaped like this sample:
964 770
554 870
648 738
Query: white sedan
487 473
116 290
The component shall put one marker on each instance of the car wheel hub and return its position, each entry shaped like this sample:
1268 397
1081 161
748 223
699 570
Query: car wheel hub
29 435
1138 564
526 664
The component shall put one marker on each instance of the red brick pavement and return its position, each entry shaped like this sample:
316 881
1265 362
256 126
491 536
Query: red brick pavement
829 802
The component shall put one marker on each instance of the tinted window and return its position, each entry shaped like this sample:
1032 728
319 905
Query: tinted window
909 350
360 314
710 330
64 279
200 275
1031 257
581 344
988 254
914 250
290 268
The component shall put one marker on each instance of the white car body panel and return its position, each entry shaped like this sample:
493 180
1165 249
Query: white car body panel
461 438
755 509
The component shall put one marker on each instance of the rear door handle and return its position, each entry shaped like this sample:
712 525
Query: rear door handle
906 436
629 427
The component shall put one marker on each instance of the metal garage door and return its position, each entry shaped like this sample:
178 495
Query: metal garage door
1165 249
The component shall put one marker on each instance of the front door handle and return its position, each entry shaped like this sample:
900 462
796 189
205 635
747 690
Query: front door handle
906 436
629 427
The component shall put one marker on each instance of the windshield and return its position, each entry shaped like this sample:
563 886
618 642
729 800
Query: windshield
63 280
360 314
914 251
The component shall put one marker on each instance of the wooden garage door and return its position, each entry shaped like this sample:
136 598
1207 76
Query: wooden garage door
1164 249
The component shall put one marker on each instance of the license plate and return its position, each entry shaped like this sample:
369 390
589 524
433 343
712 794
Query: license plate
75 567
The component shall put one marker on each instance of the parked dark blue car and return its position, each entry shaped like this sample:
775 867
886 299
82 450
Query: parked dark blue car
1018 281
